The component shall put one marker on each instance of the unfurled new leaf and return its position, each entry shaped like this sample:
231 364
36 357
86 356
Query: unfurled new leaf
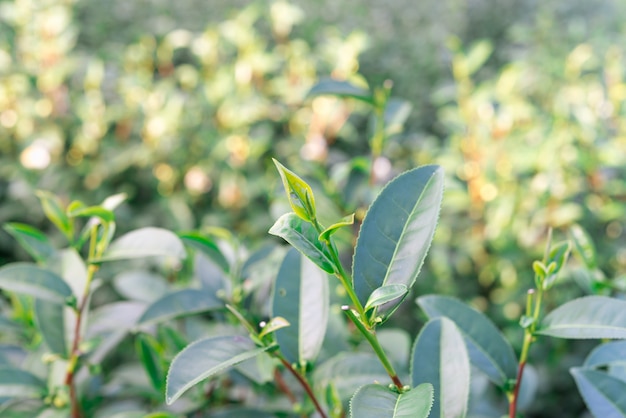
273 325
345 221
556 259
376 401
385 294
298 192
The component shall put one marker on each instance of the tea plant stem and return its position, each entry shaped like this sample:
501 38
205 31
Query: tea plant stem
303 382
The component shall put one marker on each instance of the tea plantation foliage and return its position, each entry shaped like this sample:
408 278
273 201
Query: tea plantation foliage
155 118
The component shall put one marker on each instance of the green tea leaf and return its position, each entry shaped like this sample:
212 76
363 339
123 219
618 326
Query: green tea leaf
145 242
53 208
341 89
150 356
439 357
32 240
587 317
91 211
35 281
396 233
298 192
205 358
606 354
50 320
376 401
179 303
345 221
18 383
557 257
301 297
583 246
208 247
273 325
386 294
488 350
397 112
304 238
604 395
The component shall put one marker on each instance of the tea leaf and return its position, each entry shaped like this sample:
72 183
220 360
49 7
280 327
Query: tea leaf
345 221
558 257
439 357
397 231
206 246
91 211
205 358
341 89
386 294
587 317
50 319
487 348
276 323
301 297
299 193
148 352
376 401
178 303
583 246
144 242
53 208
31 280
18 383
604 395
605 354
304 238
32 240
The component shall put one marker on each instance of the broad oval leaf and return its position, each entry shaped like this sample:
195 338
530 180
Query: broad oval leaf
178 303
488 350
299 193
587 317
604 395
606 354
439 357
35 281
376 401
18 383
203 359
304 238
32 240
341 89
397 231
301 297
386 294
144 242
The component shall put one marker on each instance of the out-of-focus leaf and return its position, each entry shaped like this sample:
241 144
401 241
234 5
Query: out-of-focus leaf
341 89
605 354
149 355
140 285
53 208
396 114
604 395
178 303
208 247
35 281
50 320
18 383
144 242
583 246
32 240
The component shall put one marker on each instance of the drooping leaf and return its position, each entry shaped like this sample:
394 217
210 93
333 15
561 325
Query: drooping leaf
18 383
301 297
298 192
304 238
606 354
376 401
396 233
145 242
150 356
341 89
53 208
208 247
179 303
50 320
440 357
604 395
587 317
32 240
35 281
386 294
345 221
347 371
489 351
205 358
583 246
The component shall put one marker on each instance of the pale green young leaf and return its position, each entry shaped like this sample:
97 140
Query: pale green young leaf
53 208
32 240
345 221
300 296
29 279
144 242
440 358
341 89
18 383
556 259
396 233
91 211
376 401
489 351
298 192
304 238
604 395
385 294
273 325
587 317
180 303
205 358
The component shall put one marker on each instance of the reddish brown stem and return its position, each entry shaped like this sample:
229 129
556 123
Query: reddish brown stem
518 383
306 387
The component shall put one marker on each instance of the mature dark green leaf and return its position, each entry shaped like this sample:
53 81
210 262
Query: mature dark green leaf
35 281
376 401
179 303
50 320
440 358
606 354
583 246
604 395
386 294
587 317
145 242
150 356
341 89
208 247
53 208
301 297
396 233
298 192
345 221
304 238
489 351
32 240
18 383
205 358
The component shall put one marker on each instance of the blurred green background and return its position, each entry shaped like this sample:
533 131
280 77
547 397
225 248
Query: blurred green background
182 105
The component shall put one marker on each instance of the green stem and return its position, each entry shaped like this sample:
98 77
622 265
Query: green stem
370 336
